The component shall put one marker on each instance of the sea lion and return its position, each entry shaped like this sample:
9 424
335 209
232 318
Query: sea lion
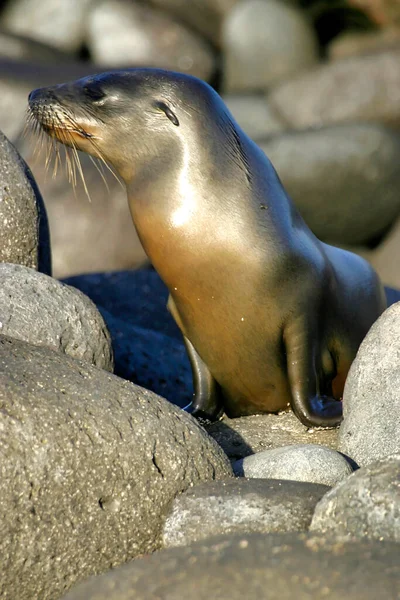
270 315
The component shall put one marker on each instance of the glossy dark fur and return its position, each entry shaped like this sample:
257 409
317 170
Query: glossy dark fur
270 315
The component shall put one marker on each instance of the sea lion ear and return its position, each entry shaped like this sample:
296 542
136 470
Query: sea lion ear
168 112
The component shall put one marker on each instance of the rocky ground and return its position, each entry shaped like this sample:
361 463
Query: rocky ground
108 489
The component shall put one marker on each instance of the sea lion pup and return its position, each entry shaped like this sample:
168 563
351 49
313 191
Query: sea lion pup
270 315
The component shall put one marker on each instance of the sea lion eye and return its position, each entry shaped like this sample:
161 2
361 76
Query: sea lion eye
168 112
94 92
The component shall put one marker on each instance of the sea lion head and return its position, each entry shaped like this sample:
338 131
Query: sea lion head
129 117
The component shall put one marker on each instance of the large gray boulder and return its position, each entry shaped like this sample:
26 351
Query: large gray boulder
40 310
24 230
89 464
55 22
255 566
371 401
349 196
205 16
241 506
122 33
363 88
263 42
366 505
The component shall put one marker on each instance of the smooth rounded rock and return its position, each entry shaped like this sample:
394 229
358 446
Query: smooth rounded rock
40 310
364 88
371 400
205 16
121 32
336 190
255 566
366 505
257 433
89 465
19 47
252 113
309 463
264 42
59 23
25 237
240 506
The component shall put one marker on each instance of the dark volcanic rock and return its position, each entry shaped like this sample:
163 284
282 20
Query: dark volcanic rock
40 310
151 359
366 505
136 297
254 566
89 464
371 401
241 506
302 462
24 230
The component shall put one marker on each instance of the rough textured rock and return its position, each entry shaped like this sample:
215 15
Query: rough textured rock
89 464
310 463
248 435
263 42
361 88
40 310
371 400
254 566
366 505
205 16
240 506
253 114
336 192
126 33
25 237
56 22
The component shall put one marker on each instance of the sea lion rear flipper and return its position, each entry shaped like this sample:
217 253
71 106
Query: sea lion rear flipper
312 409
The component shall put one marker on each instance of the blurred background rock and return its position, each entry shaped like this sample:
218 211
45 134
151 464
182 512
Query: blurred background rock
316 83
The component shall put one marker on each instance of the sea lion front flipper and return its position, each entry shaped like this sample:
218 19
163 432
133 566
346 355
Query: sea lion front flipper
312 409
207 402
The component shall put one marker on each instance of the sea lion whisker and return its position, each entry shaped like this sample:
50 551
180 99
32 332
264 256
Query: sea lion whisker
99 167
100 156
